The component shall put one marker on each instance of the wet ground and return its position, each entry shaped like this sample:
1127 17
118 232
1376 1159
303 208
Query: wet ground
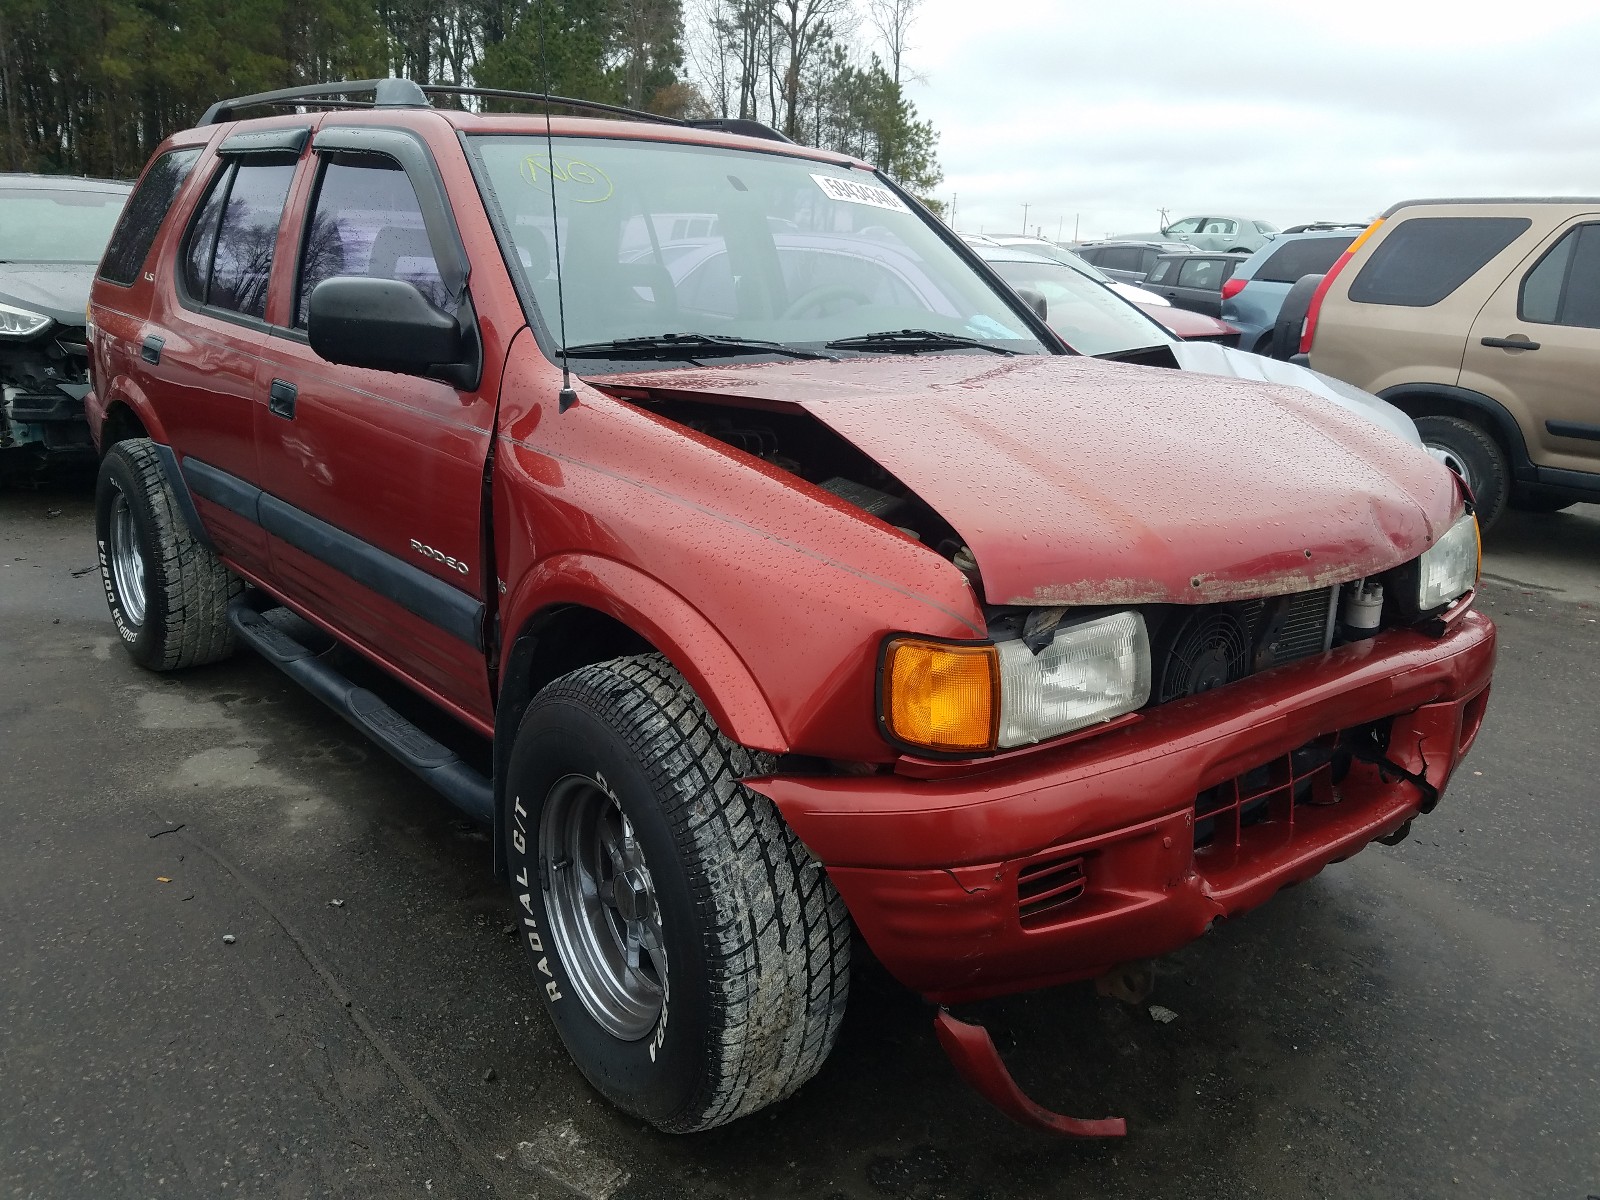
1420 1021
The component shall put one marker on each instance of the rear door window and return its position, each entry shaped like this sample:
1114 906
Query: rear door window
1564 286
227 259
1162 273
367 221
1204 274
1426 258
1313 256
141 220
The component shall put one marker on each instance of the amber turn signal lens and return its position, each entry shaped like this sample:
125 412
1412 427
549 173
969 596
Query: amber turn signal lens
942 696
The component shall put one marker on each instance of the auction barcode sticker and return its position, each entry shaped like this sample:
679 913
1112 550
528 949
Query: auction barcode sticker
852 192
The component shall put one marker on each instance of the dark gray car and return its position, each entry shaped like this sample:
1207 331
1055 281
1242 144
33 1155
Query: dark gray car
1193 281
1128 262
53 230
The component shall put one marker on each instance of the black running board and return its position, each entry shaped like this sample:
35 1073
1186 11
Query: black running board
435 764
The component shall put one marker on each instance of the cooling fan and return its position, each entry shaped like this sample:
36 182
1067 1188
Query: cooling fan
1210 649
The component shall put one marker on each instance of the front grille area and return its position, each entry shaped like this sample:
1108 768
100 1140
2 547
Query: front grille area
1205 647
1267 795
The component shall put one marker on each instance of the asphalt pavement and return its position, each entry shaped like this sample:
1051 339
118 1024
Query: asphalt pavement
1419 1021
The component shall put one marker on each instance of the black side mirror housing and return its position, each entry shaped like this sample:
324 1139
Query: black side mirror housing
1035 300
387 325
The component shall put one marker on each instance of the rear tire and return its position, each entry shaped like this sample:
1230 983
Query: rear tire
1471 453
694 958
167 593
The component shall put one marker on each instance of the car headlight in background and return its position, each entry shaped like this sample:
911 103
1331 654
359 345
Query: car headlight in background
1449 568
22 322
957 698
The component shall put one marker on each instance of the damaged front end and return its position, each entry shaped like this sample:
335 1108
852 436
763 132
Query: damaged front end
43 381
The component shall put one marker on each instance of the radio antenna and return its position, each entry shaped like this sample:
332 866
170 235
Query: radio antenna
568 397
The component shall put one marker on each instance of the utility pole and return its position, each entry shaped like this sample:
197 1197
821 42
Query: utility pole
953 199
1075 226
1025 208
1060 223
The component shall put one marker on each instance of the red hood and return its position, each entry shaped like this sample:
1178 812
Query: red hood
1077 481
1181 322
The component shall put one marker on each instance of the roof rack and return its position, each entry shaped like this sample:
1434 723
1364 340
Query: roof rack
404 93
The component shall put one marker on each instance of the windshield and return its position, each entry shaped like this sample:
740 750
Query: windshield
1090 316
659 238
65 226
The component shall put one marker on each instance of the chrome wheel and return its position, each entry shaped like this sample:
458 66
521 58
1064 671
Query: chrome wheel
602 906
127 560
1454 461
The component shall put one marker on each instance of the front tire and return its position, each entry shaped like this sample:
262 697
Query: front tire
167 593
694 958
1475 456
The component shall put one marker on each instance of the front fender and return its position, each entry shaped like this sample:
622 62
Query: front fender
667 621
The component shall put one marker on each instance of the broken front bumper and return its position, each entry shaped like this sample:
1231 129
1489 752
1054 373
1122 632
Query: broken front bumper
1059 864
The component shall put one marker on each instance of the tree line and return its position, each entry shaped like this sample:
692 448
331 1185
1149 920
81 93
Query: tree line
89 87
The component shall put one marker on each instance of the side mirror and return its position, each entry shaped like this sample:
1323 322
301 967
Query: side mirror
383 324
1036 301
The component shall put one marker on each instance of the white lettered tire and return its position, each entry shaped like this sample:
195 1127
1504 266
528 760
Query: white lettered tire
694 958
167 593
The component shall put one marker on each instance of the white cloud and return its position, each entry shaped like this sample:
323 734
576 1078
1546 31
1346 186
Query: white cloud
1253 107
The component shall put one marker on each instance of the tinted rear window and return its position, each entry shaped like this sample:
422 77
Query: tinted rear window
1122 258
136 230
1427 258
1311 257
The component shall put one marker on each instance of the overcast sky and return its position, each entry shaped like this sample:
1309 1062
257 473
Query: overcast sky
1281 111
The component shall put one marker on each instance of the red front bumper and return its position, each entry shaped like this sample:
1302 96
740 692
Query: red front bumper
1060 864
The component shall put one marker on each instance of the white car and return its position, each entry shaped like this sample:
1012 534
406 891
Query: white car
1062 255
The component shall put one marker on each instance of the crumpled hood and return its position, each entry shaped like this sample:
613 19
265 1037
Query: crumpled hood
1077 481
58 290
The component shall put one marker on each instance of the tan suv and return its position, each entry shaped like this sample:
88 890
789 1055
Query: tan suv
1480 319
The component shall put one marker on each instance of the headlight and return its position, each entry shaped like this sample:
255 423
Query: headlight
959 698
21 322
1449 567
1088 673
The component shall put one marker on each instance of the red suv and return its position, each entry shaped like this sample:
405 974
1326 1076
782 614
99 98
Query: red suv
832 591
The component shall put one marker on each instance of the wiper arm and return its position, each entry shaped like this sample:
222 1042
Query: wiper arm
687 345
910 341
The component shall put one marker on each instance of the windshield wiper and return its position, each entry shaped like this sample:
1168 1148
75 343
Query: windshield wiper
910 341
688 346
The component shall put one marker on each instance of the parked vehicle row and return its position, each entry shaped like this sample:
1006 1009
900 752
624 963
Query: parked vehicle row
797 576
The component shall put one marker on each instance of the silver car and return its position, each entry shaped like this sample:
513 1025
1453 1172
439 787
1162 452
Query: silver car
1218 235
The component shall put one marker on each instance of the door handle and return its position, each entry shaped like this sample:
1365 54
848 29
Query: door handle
150 351
280 399
1509 343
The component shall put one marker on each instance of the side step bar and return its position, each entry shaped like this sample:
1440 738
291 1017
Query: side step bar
433 763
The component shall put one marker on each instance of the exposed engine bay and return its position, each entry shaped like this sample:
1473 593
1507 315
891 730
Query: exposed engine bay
796 442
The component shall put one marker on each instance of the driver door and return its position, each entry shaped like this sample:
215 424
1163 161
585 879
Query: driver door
377 478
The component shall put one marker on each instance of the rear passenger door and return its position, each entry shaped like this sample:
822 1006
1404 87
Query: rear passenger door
376 478
1535 347
200 357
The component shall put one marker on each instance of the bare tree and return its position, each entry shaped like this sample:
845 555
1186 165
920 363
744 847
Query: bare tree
804 29
892 19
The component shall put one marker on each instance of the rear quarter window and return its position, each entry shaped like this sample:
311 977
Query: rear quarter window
1426 258
141 220
1314 256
